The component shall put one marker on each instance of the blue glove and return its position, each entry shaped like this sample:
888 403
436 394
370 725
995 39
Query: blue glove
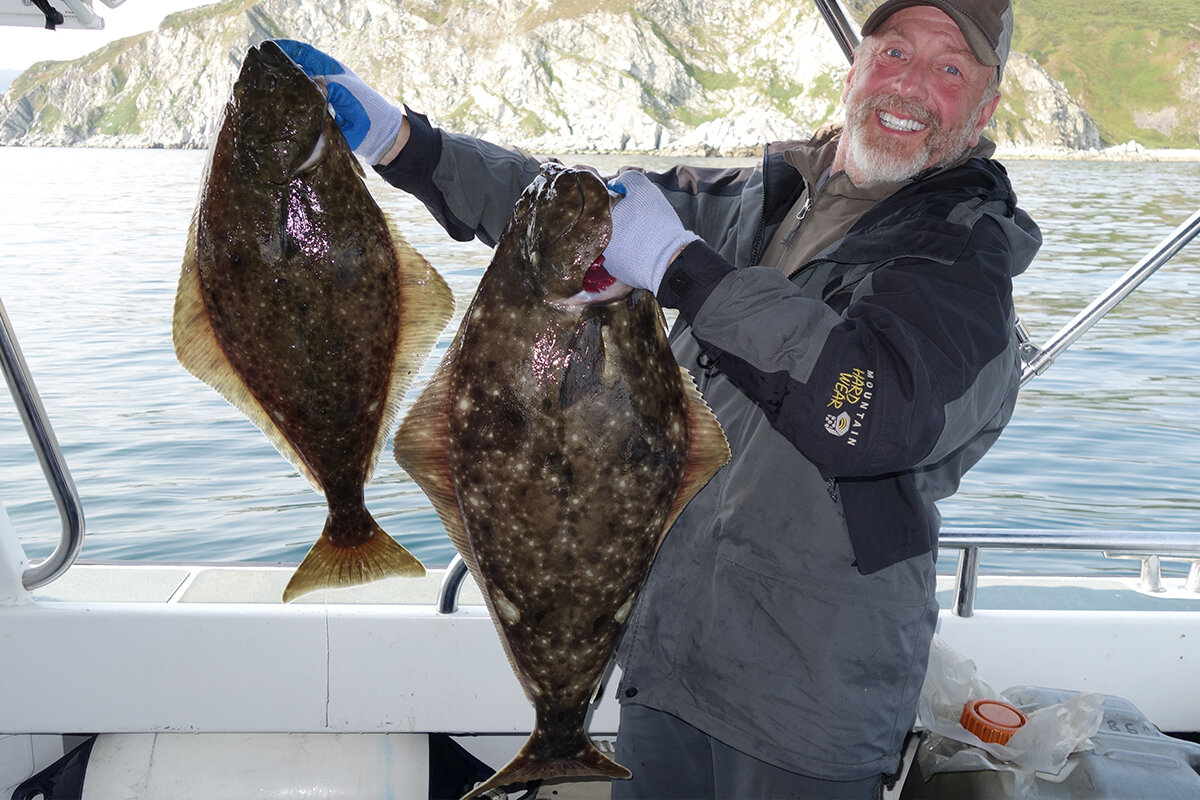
646 233
369 122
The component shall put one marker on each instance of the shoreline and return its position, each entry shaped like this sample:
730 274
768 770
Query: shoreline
1130 152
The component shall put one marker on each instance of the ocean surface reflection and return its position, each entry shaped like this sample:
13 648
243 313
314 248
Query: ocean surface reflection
90 247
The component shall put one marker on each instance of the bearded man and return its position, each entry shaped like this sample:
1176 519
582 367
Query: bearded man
846 310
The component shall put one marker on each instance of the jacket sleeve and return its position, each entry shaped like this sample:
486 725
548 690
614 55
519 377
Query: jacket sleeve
917 362
469 186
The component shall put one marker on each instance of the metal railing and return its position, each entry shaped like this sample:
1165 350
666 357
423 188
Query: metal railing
49 455
452 581
840 26
1038 359
1150 547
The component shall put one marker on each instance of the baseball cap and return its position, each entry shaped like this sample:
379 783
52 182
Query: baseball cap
987 25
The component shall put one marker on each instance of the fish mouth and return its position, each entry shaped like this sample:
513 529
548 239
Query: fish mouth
313 157
599 288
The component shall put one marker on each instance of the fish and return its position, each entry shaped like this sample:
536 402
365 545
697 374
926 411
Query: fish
305 308
558 440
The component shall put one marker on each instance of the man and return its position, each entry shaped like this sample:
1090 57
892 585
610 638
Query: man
846 311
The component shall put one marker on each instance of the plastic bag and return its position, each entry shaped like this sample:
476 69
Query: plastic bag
1042 744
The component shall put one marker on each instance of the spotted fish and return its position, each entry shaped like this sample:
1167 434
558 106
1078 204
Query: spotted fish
558 441
303 308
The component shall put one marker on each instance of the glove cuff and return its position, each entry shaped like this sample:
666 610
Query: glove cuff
662 259
386 121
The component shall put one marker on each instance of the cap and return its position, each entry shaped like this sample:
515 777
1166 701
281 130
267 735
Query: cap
992 720
987 25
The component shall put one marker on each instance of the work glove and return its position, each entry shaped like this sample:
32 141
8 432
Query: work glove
369 122
646 233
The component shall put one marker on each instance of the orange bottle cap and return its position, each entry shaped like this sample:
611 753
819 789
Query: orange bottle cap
992 720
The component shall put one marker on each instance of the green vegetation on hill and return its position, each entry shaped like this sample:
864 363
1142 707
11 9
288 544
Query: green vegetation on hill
1131 64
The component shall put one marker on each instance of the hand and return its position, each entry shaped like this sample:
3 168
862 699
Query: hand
368 121
646 233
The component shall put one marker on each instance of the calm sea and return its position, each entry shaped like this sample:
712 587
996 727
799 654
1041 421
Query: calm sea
90 247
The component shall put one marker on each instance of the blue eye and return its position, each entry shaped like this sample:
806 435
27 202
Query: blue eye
954 70
894 52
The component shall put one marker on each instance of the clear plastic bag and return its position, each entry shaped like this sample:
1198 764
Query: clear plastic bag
1042 744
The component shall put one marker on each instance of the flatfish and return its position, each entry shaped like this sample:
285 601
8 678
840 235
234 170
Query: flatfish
558 441
302 306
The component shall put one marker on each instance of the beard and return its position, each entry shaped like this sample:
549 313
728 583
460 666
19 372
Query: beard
882 159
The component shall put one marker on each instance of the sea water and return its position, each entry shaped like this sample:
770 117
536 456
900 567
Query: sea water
90 247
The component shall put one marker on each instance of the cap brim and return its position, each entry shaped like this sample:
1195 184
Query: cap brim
977 40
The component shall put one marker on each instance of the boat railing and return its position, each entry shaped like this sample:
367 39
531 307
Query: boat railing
1151 548
49 455
1037 359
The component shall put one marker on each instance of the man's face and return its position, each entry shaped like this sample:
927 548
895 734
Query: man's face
915 98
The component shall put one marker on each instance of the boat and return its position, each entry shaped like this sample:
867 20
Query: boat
69 14
188 681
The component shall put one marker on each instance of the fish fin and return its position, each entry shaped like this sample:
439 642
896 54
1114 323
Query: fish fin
200 353
426 305
524 769
708 450
420 447
328 566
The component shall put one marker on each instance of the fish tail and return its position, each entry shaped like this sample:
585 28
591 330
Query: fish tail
328 566
525 769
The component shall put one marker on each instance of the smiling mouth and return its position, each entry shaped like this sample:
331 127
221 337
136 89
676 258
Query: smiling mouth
894 123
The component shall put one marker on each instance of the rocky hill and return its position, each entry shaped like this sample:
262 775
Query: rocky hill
707 76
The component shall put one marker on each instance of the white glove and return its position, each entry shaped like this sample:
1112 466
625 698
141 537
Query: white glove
646 233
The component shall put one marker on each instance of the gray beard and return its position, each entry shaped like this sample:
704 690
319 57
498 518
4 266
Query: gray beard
875 164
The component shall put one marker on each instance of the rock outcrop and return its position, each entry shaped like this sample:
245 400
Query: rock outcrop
671 76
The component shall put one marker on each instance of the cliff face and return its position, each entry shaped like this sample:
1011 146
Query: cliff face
694 76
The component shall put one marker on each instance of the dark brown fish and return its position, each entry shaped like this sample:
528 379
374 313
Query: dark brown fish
558 442
301 306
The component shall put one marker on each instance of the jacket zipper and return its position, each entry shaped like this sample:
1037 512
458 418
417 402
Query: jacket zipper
760 233
800 215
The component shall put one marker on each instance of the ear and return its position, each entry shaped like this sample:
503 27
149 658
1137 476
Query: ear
985 116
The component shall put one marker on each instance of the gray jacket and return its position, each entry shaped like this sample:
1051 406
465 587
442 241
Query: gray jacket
790 609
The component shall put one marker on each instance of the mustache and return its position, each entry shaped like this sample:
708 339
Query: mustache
902 107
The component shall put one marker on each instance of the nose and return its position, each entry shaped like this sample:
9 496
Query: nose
910 82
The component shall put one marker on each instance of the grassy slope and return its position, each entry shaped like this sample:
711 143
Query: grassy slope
1118 58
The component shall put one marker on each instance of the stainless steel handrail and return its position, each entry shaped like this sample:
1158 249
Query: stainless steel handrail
1148 546
1039 358
452 581
49 455
842 31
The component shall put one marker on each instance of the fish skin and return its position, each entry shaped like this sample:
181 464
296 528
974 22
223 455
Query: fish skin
558 443
303 308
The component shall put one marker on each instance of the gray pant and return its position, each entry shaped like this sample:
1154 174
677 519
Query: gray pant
672 760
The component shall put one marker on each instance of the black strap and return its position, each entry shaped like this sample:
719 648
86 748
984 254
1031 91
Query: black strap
53 17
